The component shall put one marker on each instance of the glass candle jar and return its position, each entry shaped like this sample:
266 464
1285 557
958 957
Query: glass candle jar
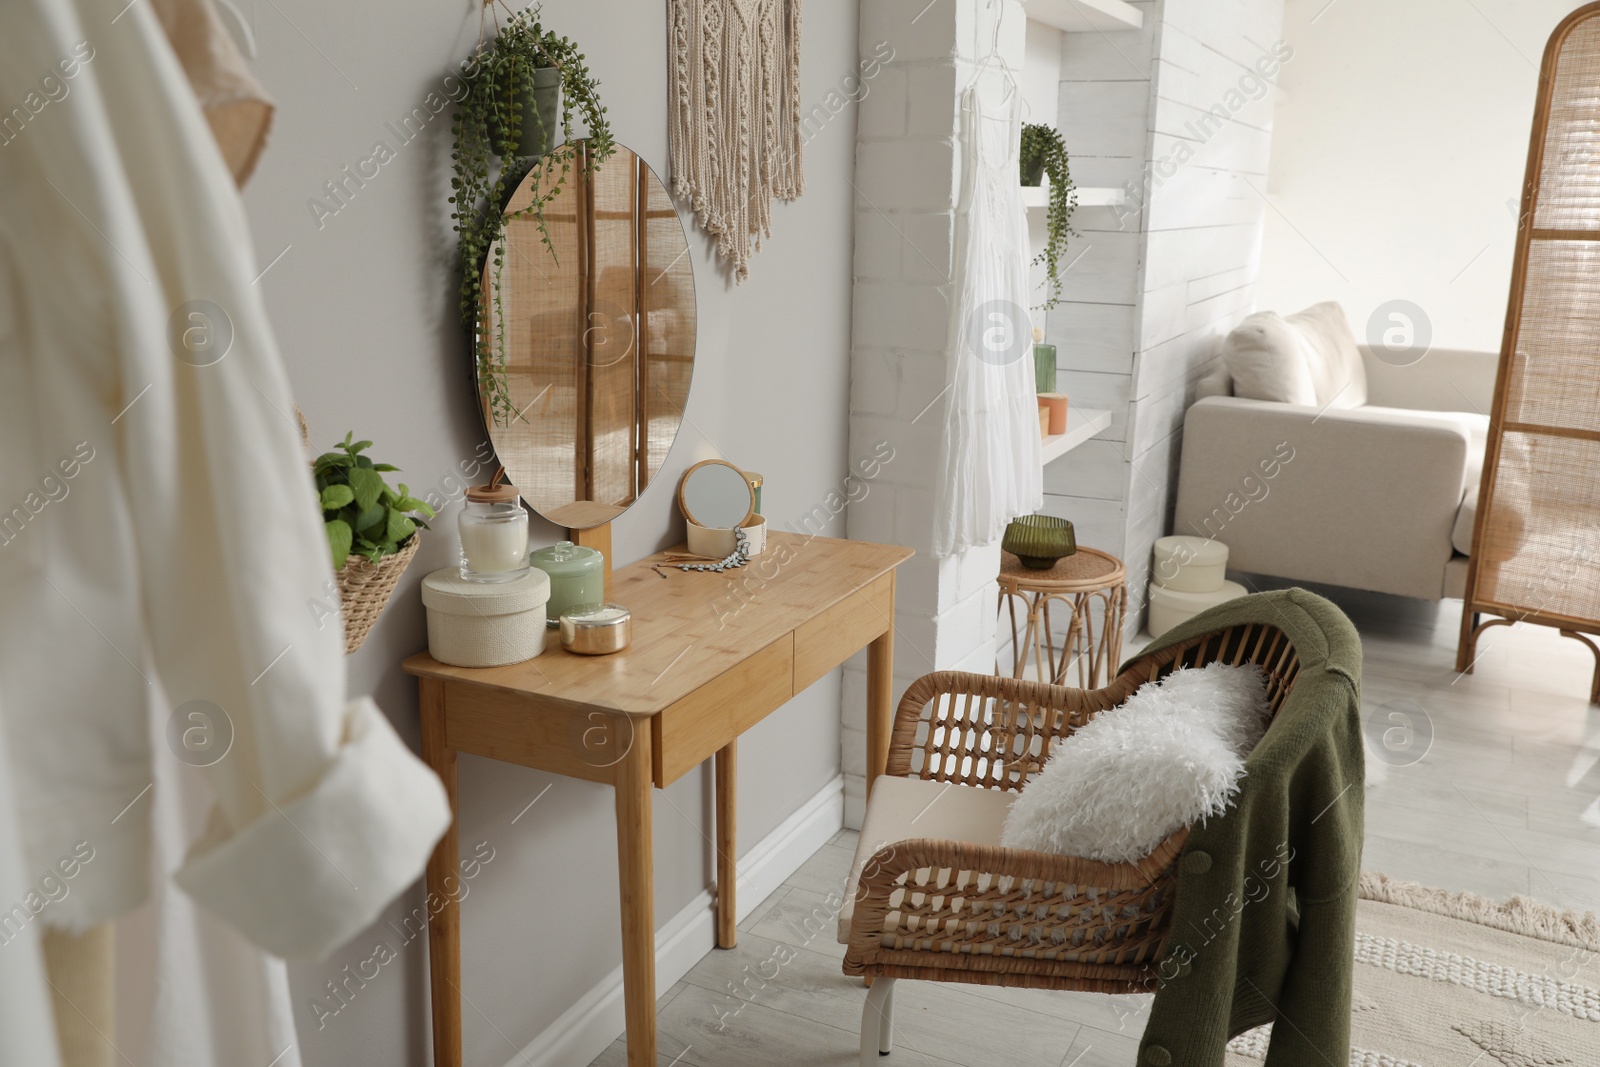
577 577
1044 364
494 535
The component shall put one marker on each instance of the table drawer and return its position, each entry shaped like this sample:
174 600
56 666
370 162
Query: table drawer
824 642
690 731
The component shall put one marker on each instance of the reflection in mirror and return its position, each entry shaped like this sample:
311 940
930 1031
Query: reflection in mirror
716 494
600 334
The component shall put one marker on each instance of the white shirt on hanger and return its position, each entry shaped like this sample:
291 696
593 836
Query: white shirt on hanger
156 523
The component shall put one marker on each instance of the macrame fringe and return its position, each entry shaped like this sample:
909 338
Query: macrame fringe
1519 915
734 97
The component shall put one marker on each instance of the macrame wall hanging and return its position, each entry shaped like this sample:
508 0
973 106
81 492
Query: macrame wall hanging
734 100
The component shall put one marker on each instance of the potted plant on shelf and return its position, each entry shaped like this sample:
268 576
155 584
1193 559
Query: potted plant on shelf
522 90
1044 154
372 531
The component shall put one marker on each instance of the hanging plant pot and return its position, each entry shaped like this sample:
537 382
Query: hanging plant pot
515 73
365 588
1042 151
540 115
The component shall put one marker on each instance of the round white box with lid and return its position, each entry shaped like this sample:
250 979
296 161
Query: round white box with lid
1169 607
1190 564
480 624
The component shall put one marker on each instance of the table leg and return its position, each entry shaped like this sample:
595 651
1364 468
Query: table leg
444 928
880 696
636 877
727 846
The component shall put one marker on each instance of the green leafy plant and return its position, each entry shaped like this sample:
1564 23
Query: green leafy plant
498 83
363 516
1043 150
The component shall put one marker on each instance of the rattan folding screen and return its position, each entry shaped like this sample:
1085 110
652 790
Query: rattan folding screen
1536 543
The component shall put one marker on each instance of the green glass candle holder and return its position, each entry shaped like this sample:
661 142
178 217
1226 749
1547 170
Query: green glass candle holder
1044 368
1039 540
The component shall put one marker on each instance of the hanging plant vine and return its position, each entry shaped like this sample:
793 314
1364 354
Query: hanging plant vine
1042 147
498 84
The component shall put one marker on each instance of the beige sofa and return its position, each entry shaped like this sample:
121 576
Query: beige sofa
1378 496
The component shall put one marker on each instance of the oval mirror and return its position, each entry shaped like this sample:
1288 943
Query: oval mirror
591 314
716 494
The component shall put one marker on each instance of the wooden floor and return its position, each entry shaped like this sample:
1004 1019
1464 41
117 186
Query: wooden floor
1504 800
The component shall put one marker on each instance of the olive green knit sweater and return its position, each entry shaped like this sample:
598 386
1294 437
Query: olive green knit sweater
1263 925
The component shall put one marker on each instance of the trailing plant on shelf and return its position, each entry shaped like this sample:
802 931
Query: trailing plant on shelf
1044 153
500 129
364 517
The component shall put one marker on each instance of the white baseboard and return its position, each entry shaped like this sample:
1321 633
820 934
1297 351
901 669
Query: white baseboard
587 1028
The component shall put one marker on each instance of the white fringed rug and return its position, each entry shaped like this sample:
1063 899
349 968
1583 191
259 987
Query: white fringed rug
1451 979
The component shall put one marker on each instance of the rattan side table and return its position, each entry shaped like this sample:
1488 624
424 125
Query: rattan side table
1084 580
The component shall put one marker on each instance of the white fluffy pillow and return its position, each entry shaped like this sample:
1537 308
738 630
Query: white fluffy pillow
1171 755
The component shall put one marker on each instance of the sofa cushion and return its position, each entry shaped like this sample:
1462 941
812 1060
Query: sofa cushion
1508 525
904 809
1266 359
1337 372
1309 358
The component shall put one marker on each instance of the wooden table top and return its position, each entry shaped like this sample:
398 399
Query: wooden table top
689 628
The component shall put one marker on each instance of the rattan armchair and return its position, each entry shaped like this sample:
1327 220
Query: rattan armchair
976 912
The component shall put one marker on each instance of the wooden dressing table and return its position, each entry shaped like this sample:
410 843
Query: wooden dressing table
712 655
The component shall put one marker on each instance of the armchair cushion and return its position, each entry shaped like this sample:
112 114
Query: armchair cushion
904 809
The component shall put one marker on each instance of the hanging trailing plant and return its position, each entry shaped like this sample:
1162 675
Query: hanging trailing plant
1043 152
500 129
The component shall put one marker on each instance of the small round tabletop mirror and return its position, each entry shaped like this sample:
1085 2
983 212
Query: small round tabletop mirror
590 324
716 494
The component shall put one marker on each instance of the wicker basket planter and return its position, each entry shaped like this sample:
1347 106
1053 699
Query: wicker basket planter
365 587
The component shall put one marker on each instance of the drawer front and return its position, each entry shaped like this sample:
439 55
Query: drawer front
823 643
691 731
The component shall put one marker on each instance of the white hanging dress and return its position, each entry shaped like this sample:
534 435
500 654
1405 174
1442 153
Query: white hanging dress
991 468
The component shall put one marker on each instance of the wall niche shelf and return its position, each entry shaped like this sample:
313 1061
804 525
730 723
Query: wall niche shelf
1082 424
1037 197
1085 16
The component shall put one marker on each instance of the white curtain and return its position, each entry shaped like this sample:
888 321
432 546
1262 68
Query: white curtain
991 466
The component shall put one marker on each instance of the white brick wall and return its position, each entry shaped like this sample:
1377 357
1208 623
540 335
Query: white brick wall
908 182
1161 278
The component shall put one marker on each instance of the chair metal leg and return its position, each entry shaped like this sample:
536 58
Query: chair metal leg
886 1028
877 1022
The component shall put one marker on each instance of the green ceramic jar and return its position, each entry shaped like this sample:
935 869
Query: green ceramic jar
577 578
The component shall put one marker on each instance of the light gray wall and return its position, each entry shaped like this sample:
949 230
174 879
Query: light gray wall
1402 144
365 313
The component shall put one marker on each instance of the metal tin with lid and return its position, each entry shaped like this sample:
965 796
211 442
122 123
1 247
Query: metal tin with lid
597 631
